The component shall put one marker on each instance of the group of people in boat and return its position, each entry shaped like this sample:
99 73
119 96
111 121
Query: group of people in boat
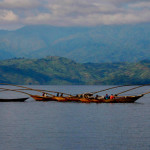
58 94
109 97
90 96
86 96
105 97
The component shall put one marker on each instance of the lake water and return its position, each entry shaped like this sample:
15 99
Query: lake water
54 125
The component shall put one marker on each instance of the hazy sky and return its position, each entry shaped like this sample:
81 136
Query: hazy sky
17 13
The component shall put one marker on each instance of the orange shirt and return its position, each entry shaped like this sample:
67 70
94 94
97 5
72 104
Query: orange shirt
112 97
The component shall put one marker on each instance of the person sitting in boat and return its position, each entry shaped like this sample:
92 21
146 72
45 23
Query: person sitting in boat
107 96
112 96
96 97
44 94
57 95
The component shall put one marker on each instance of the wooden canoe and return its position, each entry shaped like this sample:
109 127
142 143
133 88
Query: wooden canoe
60 99
118 99
73 99
84 100
42 98
127 99
48 98
13 99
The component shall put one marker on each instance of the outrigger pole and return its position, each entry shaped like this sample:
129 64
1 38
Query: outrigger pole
146 93
108 89
130 89
5 89
26 88
22 89
18 90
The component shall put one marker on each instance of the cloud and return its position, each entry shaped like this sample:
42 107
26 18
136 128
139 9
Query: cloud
82 8
77 12
140 5
7 16
85 13
18 4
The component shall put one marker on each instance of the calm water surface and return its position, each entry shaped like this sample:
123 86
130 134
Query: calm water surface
35 125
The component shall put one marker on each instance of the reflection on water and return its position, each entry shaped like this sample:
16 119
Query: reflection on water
35 125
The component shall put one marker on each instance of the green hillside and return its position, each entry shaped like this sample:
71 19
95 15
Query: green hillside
120 43
59 70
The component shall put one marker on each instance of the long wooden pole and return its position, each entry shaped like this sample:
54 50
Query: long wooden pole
146 93
108 89
16 90
5 89
35 89
130 89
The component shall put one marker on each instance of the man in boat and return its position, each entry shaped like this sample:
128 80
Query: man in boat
96 97
112 96
107 96
44 94
57 95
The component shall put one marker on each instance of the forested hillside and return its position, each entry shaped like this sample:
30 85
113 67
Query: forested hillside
59 70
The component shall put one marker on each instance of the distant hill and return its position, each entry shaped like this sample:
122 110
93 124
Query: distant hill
119 43
59 70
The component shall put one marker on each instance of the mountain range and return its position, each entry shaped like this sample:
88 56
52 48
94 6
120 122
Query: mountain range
59 70
115 43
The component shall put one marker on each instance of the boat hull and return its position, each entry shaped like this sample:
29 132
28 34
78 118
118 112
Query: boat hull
127 99
118 99
72 99
41 98
84 100
13 99
60 99
48 98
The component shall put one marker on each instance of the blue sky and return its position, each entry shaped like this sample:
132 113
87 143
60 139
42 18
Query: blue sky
17 13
